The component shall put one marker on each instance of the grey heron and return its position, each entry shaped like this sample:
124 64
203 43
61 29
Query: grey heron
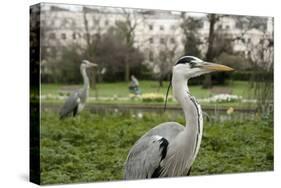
169 149
76 101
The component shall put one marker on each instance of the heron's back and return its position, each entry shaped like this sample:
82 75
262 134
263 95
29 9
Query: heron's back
137 155
167 130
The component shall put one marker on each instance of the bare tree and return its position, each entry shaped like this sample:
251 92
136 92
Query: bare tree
92 38
111 54
166 58
52 44
213 19
261 58
127 30
260 55
190 27
218 42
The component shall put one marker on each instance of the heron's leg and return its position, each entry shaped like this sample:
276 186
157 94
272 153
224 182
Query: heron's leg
188 173
75 111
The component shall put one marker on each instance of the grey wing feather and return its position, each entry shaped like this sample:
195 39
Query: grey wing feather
145 155
70 104
141 164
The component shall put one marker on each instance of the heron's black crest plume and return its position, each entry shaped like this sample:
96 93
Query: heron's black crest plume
167 93
184 60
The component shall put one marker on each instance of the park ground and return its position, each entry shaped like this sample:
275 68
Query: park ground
94 146
120 89
117 93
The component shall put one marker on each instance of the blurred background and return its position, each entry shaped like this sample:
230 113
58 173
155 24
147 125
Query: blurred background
238 106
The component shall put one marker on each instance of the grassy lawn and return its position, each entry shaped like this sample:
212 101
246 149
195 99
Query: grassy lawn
120 89
94 147
113 92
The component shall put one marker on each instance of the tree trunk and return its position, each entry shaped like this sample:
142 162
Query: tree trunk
207 83
92 78
100 78
160 81
88 39
127 69
89 53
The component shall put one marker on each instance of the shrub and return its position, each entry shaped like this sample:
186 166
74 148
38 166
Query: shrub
225 98
154 97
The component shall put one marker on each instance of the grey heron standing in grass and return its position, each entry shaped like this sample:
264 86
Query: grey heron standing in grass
76 101
169 149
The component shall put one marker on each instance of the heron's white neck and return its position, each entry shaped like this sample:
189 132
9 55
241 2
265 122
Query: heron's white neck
184 148
85 77
187 102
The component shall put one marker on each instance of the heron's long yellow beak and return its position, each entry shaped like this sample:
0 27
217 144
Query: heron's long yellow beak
216 67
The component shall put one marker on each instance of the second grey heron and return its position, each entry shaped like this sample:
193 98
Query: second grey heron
76 101
169 149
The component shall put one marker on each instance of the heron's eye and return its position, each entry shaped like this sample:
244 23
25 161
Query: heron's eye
193 64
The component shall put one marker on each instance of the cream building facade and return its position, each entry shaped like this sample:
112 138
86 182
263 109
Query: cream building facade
62 26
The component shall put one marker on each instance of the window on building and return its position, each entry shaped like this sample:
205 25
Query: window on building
106 22
161 27
96 36
172 40
43 22
52 36
151 27
249 40
220 26
151 40
85 35
44 50
96 22
64 23
74 36
63 36
54 52
48 49
162 40
151 56
227 27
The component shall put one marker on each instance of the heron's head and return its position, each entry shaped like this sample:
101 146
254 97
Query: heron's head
87 64
190 66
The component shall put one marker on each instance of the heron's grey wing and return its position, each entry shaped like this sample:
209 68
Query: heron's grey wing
70 104
145 156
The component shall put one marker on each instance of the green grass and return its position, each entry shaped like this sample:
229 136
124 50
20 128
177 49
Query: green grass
120 89
94 147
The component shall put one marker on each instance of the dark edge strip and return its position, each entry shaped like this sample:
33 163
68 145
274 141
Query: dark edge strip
34 98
